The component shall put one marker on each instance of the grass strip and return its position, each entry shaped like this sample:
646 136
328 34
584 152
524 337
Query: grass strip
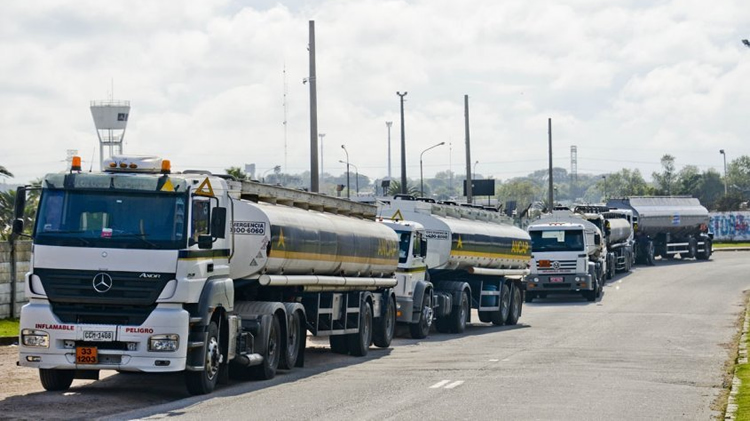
9 327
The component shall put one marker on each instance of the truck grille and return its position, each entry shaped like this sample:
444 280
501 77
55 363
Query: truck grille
557 266
128 301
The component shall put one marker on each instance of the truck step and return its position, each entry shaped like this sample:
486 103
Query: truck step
195 344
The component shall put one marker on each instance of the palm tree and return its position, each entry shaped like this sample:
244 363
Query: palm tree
4 171
395 188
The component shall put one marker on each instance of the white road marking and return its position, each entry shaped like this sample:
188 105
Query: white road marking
454 384
440 384
494 360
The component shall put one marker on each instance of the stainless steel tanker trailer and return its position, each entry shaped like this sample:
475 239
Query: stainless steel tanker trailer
141 269
667 226
617 227
474 258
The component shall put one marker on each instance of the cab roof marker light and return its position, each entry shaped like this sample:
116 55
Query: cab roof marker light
76 164
166 166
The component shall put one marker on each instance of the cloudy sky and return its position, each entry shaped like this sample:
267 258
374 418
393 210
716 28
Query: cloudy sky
624 81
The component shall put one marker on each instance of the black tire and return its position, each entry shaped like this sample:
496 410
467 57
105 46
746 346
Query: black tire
707 249
55 380
692 248
359 343
421 329
272 356
612 269
459 316
204 381
339 344
650 257
499 317
529 297
385 327
516 306
295 335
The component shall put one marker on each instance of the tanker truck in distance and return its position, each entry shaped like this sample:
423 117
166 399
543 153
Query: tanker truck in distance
667 226
143 270
568 255
473 259
616 226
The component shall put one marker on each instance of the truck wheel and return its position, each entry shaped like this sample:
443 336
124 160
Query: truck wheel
384 329
515 307
421 329
295 333
359 343
272 356
460 314
706 253
55 380
204 381
499 317
692 248
650 258
339 344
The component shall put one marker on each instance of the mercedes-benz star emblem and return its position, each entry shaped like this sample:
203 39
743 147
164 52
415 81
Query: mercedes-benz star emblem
102 282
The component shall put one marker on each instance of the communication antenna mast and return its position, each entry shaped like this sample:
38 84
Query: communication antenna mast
111 120
285 115
573 171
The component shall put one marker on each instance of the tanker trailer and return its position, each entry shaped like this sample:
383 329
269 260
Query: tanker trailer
667 226
616 226
138 269
474 260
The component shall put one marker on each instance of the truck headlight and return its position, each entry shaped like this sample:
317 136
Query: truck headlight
35 338
164 343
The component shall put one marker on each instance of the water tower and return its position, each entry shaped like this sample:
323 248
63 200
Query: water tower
110 119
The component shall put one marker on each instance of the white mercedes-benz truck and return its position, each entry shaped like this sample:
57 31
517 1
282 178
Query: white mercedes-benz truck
140 269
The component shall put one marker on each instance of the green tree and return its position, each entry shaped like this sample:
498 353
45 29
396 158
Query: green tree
665 180
4 171
237 173
395 188
710 189
738 173
523 191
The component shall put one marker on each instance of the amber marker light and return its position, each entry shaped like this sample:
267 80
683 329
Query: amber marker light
166 166
76 164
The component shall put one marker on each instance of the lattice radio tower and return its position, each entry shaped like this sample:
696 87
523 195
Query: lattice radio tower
573 172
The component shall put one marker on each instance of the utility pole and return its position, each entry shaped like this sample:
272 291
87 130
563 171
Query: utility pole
469 197
551 193
312 79
321 136
403 145
389 124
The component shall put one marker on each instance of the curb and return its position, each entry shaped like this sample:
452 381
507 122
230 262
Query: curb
8 340
741 359
730 249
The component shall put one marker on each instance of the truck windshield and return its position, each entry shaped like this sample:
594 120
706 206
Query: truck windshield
556 240
115 219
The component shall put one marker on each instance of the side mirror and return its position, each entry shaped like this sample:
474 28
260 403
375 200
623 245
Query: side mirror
597 239
17 226
218 223
205 242
423 247
20 205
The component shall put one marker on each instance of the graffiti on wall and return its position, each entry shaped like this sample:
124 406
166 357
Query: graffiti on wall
730 226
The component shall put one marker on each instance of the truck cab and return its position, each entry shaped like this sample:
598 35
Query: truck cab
566 257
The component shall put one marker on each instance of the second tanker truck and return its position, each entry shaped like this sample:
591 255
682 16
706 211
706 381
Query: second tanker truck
474 259
667 226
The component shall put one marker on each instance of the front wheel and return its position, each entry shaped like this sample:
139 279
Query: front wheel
421 329
204 381
385 328
56 380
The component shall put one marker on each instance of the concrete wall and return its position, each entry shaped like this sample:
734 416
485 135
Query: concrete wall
23 257
730 226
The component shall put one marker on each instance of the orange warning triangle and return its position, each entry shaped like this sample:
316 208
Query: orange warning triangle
205 189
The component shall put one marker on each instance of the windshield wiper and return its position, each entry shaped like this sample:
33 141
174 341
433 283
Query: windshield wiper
139 236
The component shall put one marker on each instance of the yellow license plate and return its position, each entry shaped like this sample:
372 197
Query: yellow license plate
87 355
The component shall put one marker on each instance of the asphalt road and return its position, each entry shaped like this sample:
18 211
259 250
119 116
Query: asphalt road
653 347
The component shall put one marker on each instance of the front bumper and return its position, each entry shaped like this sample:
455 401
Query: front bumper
404 309
551 283
129 351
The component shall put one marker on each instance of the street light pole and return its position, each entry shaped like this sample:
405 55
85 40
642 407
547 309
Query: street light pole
421 174
347 170
356 176
604 177
321 136
389 124
726 190
403 145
